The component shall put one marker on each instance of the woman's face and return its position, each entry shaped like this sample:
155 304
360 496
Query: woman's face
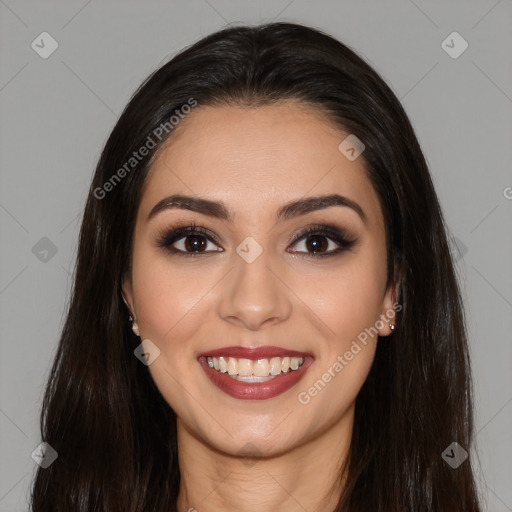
251 279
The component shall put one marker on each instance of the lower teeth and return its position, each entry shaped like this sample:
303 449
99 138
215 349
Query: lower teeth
252 378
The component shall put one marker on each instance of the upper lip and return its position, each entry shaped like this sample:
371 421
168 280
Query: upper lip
263 352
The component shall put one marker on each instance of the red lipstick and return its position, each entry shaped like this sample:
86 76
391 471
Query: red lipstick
255 390
265 352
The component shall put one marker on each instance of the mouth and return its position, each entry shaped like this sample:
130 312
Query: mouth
255 374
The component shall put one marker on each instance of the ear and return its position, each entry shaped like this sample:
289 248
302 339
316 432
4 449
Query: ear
127 294
128 299
390 307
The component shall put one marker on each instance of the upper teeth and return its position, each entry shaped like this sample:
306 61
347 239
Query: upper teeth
258 368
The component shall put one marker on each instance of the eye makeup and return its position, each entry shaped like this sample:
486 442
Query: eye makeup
198 237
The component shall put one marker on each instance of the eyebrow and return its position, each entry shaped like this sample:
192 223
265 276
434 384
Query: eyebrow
218 210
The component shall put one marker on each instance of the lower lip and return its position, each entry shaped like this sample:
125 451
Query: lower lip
255 390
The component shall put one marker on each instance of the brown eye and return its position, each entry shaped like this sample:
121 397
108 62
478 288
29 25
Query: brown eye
189 240
317 243
320 241
194 243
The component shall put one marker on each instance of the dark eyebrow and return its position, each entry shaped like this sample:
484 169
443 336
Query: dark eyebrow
218 209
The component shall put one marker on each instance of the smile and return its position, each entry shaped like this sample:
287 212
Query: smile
254 374
260 370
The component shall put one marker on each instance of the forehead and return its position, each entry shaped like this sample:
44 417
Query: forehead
256 158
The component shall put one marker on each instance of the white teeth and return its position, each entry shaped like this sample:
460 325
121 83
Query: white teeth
232 366
255 371
275 366
261 367
244 367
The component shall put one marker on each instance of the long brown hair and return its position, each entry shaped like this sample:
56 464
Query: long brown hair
114 432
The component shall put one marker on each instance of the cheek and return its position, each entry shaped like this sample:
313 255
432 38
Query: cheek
168 310
172 303
349 302
164 294
347 299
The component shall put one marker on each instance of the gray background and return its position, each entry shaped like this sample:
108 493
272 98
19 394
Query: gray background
56 114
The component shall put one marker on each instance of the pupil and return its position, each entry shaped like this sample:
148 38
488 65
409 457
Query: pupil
316 243
196 244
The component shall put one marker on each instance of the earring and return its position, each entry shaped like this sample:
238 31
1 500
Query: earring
135 327
392 327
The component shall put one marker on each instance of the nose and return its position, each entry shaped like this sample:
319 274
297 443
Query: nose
254 295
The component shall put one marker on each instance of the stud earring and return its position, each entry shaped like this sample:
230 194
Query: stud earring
392 327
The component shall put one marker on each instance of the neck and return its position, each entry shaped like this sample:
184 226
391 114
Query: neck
307 477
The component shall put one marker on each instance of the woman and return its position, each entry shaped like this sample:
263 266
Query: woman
265 314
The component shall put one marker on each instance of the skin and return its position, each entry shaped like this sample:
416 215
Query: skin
274 454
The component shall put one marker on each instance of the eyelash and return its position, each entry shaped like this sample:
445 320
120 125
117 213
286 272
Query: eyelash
167 237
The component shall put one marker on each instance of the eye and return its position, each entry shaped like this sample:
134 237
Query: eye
322 241
188 241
